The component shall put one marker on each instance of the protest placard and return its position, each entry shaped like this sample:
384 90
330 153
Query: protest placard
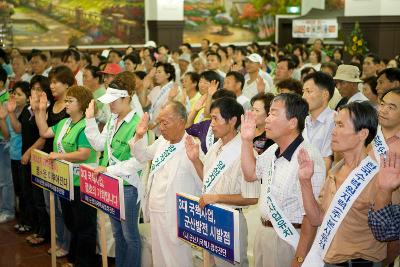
102 191
214 228
53 175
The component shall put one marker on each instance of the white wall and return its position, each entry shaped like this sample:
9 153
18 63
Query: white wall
164 9
372 8
306 5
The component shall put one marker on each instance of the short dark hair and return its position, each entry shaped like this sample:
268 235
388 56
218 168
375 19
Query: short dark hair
62 74
168 68
187 45
296 107
265 98
307 70
223 93
290 63
4 56
44 83
291 84
194 77
392 74
210 76
331 65
375 58
70 53
364 116
214 54
39 54
3 75
95 71
24 86
393 90
318 53
208 41
133 57
141 74
239 78
115 51
323 81
372 82
228 108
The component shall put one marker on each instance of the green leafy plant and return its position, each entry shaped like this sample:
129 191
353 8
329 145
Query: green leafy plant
356 44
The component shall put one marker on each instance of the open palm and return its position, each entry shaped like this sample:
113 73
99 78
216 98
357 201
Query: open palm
306 165
248 126
143 125
389 173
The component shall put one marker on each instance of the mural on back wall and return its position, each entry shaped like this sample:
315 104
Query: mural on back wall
228 21
79 22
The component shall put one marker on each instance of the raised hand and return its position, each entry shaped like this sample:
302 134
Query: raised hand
248 126
12 104
235 67
389 173
213 87
306 165
34 100
91 109
173 92
3 112
43 102
260 85
192 148
200 103
142 126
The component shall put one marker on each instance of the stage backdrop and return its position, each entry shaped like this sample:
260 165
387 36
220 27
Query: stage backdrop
228 21
80 22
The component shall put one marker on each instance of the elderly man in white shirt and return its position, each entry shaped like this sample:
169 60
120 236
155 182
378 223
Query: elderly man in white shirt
171 172
318 89
224 155
285 233
347 79
256 81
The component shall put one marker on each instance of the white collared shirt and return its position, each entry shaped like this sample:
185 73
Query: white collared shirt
358 97
244 101
319 133
285 186
250 89
231 181
176 175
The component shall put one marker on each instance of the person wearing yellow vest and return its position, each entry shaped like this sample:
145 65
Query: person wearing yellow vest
117 161
71 144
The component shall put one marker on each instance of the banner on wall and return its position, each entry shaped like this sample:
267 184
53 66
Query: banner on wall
315 28
214 228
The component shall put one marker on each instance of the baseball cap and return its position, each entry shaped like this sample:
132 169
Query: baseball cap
111 68
150 44
185 57
256 58
111 95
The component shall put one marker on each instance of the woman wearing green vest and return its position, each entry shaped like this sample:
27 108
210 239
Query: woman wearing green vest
70 144
117 160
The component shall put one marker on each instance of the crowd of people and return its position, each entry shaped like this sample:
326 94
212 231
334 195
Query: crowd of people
312 139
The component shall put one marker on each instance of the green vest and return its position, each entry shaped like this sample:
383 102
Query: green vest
72 140
3 98
119 143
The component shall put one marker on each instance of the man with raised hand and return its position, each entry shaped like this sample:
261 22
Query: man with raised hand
171 172
285 233
224 158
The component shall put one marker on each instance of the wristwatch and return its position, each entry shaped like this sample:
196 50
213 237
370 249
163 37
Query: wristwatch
299 259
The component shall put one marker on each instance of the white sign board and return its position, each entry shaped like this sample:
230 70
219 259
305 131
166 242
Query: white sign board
315 28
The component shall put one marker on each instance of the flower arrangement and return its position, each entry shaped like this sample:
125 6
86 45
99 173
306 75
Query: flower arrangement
356 44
